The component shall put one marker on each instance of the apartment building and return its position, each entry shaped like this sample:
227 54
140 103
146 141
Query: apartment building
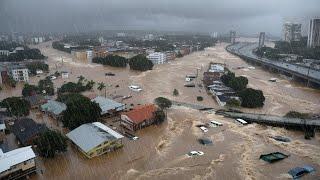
157 58
19 72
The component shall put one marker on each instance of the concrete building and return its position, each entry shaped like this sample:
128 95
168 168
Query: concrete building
314 33
17 163
101 40
262 37
157 58
170 55
232 37
291 31
95 139
19 72
83 56
121 34
4 52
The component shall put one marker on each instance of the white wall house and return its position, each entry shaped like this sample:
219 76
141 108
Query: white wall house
157 58
19 73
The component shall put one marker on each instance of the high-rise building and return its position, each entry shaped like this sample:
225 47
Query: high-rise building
262 37
291 31
232 37
314 33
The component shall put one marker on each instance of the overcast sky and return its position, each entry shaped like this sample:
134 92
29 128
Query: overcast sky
244 16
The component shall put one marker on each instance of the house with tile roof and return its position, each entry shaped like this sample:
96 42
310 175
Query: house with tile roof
139 117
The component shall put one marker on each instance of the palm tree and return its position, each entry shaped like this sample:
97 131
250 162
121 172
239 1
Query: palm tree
102 86
81 79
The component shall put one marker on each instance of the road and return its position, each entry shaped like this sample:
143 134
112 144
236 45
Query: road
246 49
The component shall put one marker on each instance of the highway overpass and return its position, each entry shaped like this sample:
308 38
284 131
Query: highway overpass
245 51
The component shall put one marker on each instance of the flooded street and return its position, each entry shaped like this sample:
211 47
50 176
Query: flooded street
160 152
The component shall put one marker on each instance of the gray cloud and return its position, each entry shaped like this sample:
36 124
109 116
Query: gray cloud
246 16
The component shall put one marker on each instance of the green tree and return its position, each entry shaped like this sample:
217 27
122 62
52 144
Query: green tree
140 63
90 84
295 114
81 79
101 86
163 103
80 110
29 90
112 60
251 98
233 103
175 92
45 86
199 98
11 82
34 66
51 142
16 106
159 116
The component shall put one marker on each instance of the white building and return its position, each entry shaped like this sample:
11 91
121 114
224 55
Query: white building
216 68
65 74
19 73
291 31
157 58
17 163
89 55
121 34
314 33
4 52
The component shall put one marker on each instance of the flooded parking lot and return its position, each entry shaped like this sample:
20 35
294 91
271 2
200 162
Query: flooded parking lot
161 150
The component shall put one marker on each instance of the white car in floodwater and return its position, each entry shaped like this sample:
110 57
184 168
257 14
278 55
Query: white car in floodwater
204 129
195 153
134 138
135 88
53 77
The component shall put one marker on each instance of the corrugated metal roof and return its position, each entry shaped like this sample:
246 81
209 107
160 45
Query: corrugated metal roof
54 107
108 104
15 157
89 136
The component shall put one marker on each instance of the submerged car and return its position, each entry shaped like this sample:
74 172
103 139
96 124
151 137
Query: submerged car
204 129
135 88
300 171
195 153
134 138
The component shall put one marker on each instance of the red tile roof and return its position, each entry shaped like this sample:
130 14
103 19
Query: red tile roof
141 113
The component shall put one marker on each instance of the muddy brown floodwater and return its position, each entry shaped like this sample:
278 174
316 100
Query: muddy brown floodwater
160 151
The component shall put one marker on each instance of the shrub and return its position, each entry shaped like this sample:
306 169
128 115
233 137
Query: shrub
295 114
199 98
175 92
